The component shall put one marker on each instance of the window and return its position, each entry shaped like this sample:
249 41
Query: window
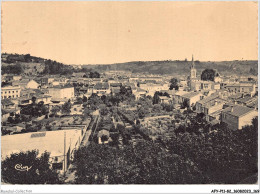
9 92
13 91
16 91
17 96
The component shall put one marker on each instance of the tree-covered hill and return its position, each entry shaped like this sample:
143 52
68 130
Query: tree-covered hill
183 67
27 64
177 67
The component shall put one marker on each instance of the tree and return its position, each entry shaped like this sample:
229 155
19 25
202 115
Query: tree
28 168
168 107
142 112
66 108
144 163
185 104
157 108
208 75
79 100
174 84
85 99
103 109
156 98
55 110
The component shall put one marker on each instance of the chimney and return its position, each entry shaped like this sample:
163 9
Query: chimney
232 109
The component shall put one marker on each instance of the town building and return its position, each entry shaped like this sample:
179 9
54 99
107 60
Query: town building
211 106
61 92
189 97
101 89
10 92
60 144
237 116
246 88
26 83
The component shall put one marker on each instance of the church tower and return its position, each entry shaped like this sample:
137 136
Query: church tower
193 71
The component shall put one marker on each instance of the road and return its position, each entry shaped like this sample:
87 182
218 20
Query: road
70 174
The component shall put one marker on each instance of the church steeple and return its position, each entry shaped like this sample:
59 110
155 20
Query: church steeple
192 63
193 71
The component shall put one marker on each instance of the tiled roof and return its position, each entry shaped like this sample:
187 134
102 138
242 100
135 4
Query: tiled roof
140 90
101 86
6 101
208 99
247 99
115 84
190 94
238 110
253 104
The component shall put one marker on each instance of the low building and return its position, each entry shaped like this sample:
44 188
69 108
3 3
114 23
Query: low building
211 106
151 88
8 108
165 100
26 83
7 104
101 89
60 144
237 116
246 88
139 93
190 97
103 137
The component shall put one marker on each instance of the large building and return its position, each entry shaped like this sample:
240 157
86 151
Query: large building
60 144
62 92
10 92
236 117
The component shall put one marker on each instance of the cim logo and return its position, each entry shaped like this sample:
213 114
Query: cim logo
22 168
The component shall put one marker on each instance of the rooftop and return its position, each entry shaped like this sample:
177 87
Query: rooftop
191 94
50 141
101 86
6 102
238 110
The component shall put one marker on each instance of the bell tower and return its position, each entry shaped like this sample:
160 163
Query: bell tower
193 71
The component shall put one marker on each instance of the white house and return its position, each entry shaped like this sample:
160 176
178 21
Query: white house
10 92
190 97
61 92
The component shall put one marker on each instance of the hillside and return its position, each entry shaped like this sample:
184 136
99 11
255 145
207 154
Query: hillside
30 65
182 67
36 65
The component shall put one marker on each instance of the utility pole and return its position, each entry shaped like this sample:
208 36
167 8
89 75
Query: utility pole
64 153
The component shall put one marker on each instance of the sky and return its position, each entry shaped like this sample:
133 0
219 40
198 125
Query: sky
112 32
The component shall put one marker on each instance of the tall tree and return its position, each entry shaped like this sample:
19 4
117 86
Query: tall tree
174 84
28 168
208 75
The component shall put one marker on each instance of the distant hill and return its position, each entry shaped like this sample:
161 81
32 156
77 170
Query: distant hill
37 65
30 65
182 67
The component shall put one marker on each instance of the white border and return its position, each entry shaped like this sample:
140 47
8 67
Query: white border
131 188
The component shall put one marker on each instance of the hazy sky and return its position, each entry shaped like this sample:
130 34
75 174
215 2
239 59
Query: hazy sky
108 32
